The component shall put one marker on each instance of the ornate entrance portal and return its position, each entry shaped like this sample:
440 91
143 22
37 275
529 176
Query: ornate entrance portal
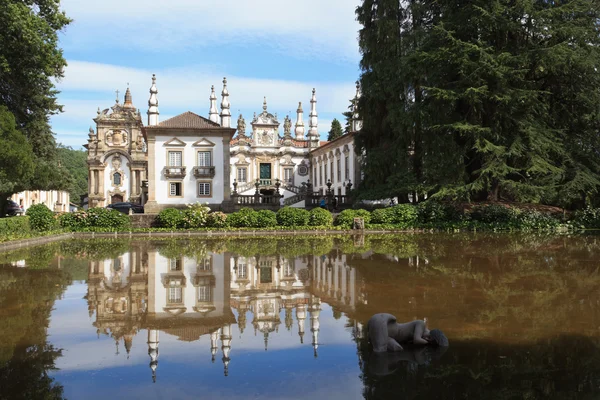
265 171
116 198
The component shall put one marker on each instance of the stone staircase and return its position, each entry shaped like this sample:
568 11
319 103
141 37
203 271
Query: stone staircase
293 199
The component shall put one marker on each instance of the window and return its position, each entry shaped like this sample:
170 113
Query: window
320 175
204 264
242 271
287 174
204 294
203 189
175 295
175 189
331 172
242 175
175 159
339 170
204 159
347 169
175 264
117 179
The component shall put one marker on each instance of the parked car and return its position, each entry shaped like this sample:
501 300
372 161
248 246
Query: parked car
13 209
124 207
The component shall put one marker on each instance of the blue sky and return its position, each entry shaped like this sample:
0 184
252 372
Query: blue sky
275 48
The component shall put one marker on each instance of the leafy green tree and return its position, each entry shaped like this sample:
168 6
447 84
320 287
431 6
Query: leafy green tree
16 157
75 162
335 131
30 61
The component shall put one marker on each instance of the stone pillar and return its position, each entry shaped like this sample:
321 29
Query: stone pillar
151 205
226 168
101 188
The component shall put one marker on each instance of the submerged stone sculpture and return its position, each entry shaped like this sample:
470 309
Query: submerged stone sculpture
386 334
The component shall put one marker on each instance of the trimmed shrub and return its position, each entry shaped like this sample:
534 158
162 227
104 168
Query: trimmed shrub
244 218
170 218
216 220
106 218
41 218
291 216
320 217
345 219
404 214
73 221
266 219
14 226
382 216
194 216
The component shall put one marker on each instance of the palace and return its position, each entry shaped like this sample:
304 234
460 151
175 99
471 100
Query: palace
190 158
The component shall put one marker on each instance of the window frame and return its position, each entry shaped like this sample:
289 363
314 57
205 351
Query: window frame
180 189
209 183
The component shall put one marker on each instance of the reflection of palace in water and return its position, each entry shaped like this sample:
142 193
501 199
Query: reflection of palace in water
189 297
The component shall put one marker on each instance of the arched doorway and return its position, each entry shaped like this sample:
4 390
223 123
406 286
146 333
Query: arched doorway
116 198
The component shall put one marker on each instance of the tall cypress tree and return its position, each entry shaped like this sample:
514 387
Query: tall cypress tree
477 100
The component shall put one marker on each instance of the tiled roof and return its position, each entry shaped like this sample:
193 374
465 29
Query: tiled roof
188 120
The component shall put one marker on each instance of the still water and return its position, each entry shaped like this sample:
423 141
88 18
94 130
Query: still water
284 318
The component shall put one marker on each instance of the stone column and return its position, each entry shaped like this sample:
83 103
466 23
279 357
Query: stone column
151 204
101 188
226 168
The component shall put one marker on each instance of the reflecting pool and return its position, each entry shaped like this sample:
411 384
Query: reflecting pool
284 318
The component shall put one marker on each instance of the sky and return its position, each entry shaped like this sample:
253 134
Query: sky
280 49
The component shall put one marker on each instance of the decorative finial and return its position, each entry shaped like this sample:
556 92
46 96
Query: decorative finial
117 100
98 112
265 104
213 113
153 112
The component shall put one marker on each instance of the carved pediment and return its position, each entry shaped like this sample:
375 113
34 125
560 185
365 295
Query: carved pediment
174 143
204 142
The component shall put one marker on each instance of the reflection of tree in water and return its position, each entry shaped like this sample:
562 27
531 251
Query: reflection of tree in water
26 299
566 367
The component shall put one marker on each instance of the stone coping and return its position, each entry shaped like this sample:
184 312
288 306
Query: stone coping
16 244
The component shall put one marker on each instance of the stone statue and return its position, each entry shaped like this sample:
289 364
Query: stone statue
116 162
241 127
287 126
385 334
139 143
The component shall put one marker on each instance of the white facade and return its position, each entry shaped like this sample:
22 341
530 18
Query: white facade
55 200
337 162
193 151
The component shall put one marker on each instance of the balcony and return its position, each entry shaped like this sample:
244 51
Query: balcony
174 172
204 172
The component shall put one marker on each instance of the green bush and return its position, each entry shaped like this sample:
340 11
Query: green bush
404 214
99 217
382 216
170 218
14 226
345 219
588 218
320 217
216 220
41 218
194 216
535 220
244 218
266 219
432 211
493 213
73 221
291 216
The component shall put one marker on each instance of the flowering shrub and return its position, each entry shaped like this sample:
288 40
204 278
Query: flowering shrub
216 219
97 217
195 216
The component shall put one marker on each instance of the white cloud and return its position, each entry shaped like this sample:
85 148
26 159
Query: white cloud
88 85
296 28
